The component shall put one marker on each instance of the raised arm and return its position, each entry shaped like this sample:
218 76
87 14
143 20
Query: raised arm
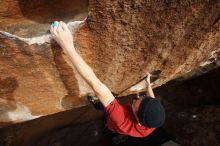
64 38
149 91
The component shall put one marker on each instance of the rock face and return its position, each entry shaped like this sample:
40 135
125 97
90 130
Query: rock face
127 39
32 17
121 40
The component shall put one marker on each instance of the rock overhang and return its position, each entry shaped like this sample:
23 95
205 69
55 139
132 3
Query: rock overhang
122 41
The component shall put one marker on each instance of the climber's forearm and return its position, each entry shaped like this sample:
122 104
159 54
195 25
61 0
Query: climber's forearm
150 91
83 68
101 90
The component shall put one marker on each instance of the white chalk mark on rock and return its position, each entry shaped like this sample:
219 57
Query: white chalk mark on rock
44 38
21 113
138 87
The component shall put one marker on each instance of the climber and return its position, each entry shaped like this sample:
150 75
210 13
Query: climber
138 120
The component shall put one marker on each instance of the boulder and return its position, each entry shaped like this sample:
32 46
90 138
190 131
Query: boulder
121 40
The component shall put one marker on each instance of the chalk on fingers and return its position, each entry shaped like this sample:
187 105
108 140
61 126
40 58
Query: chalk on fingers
55 24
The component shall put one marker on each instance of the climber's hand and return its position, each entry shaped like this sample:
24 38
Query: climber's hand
148 79
63 36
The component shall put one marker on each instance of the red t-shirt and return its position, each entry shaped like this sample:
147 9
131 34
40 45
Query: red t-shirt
122 120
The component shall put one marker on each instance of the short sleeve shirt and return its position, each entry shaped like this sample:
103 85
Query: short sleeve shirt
122 120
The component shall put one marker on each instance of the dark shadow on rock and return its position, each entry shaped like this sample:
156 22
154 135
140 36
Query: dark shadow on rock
67 75
7 103
155 75
44 11
7 88
8 83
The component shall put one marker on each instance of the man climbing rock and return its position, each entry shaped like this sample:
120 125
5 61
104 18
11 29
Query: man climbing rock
138 120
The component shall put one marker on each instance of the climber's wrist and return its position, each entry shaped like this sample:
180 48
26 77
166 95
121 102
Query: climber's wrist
148 83
69 49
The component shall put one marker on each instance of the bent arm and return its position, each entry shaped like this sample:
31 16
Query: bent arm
149 91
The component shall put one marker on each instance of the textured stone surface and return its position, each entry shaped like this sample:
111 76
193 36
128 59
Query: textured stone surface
35 80
32 17
121 40
127 39
29 78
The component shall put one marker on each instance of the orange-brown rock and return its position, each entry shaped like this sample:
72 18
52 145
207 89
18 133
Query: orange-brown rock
121 40
127 39
32 17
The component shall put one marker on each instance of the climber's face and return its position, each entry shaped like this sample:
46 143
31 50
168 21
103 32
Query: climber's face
135 105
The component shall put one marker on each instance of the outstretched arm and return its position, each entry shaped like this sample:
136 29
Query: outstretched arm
149 88
64 38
